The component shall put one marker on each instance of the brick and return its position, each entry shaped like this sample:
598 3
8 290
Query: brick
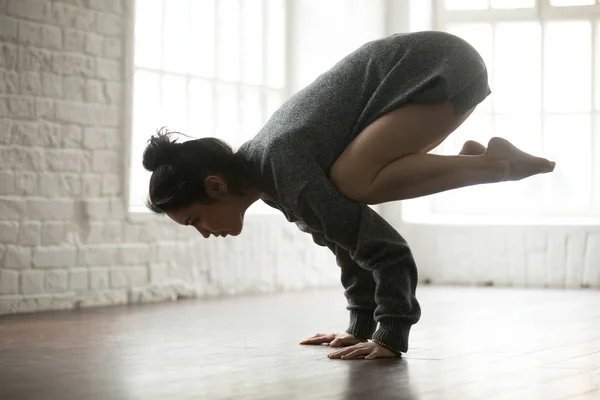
74 40
25 133
50 134
52 37
96 208
22 158
112 6
7 183
113 92
31 84
30 233
8 55
69 185
50 209
91 185
111 184
4 107
67 15
87 114
107 69
95 92
5 127
21 107
54 257
53 233
94 44
100 138
94 233
591 272
26 183
134 254
9 232
34 59
30 33
39 10
101 255
74 88
65 160
71 136
44 108
9 82
57 281
8 28
12 208
32 282
52 85
113 48
70 64
113 232
109 24
118 207
105 161
9 282
17 257
124 277
98 278
78 279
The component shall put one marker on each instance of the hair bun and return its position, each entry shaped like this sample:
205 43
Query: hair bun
159 151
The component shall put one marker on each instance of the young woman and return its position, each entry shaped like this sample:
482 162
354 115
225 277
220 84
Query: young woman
360 134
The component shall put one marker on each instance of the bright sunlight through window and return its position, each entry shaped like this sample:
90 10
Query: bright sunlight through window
543 70
204 68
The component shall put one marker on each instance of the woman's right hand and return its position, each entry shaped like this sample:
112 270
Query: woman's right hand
333 339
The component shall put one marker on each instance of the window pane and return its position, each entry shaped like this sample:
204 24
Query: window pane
146 120
568 142
567 66
525 132
202 34
512 3
479 35
201 108
176 36
563 3
596 156
228 40
252 40
148 35
274 101
227 113
517 85
251 114
597 55
276 36
174 102
466 4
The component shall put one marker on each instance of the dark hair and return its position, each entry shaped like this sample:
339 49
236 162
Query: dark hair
179 169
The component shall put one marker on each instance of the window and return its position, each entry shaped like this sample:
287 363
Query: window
204 68
542 61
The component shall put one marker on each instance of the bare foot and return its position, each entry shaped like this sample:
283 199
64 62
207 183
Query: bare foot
520 165
472 148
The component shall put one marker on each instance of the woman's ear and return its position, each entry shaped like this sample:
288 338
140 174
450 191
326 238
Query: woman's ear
215 186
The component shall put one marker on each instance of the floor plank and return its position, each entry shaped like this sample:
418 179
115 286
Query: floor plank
471 343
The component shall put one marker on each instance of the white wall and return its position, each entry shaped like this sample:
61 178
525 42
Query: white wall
66 239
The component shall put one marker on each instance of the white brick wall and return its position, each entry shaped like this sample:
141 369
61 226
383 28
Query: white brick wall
66 239
523 256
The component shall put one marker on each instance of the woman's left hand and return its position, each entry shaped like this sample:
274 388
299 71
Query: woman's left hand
367 350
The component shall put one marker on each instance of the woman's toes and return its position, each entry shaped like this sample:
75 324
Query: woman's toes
472 148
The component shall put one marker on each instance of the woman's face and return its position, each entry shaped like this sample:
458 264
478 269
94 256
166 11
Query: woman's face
222 218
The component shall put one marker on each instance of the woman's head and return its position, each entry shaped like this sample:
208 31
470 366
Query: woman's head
200 182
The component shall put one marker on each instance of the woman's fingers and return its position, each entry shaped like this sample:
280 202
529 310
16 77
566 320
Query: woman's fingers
319 338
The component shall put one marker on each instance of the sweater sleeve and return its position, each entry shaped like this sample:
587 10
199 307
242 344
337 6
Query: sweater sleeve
376 247
359 286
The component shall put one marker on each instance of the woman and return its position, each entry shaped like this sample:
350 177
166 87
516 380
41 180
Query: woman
360 134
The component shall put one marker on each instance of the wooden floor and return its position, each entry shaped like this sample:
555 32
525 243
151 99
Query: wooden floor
482 343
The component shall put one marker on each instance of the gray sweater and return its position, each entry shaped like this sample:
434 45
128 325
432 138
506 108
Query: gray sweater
292 155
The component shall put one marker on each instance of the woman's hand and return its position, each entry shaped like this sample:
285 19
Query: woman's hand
334 339
368 351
